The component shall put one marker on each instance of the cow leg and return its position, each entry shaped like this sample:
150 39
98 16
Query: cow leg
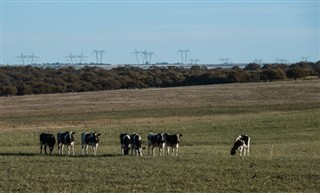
177 149
245 150
168 150
62 147
95 150
72 146
87 149
241 150
68 149
45 149
40 148
51 149
82 149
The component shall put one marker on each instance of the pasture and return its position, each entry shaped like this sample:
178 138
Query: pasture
282 119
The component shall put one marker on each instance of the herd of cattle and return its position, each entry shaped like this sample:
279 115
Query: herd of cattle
128 142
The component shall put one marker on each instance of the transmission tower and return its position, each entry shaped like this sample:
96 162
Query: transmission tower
184 55
281 61
304 59
224 60
71 57
99 54
257 61
23 57
137 54
148 57
194 61
143 56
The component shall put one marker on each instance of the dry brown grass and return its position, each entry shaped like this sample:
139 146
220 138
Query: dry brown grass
108 107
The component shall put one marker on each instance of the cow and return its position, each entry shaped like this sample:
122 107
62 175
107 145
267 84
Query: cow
136 143
172 143
242 144
90 139
47 140
65 138
125 143
156 140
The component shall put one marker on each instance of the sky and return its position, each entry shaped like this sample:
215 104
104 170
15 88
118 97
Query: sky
242 31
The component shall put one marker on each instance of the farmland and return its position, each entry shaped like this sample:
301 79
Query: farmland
282 119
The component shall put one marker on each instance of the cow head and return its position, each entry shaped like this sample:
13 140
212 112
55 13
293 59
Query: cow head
233 151
70 136
96 137
178 137
161 137
236 146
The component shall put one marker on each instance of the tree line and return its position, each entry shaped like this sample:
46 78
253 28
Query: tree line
27 80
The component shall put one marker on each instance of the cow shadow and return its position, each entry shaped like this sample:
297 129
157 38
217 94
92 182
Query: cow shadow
21 154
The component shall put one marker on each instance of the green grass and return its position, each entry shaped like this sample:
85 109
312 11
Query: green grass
284 154
204 164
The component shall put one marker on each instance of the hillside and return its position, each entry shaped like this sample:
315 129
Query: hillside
152 105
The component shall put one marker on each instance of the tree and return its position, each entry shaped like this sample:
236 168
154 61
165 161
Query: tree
8 91
297 72
253 67
272 74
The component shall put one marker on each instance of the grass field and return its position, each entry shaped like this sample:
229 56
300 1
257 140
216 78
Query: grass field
282 119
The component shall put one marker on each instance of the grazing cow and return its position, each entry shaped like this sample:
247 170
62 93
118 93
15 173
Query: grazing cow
172 143
47 140
156 140
136 143
125 143
90 139
242 144
65 138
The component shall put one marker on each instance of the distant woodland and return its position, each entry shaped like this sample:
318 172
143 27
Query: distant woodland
27 80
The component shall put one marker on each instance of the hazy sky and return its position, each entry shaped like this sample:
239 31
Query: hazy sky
239 30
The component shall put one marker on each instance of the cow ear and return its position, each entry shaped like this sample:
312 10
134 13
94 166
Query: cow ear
180 135
73 132
98 134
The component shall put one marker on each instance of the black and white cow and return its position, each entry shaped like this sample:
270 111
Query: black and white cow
156 140
47 140
242 144
136 142
90 139
172 143
65 138
125 143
